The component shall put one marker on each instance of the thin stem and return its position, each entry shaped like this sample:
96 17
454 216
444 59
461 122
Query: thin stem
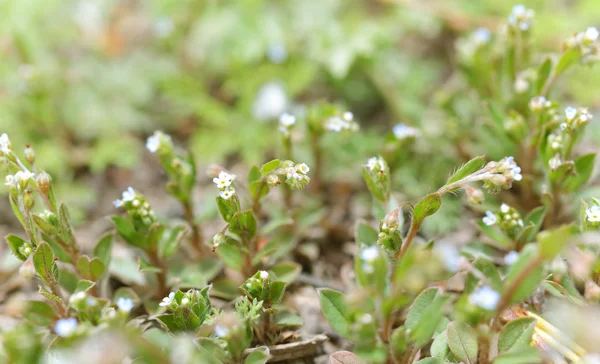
412 232
483 356
256 200
317 179
161 275
196 240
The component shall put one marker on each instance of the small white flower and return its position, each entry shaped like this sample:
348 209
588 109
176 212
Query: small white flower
482 36
91 301
519 10
335 124
593 214
10 180
555 141
264 274
287 120
348 116
302 168
277 53
185 301
118 203
77 297
227 193
485 297
366 319
516 173
167 300
511 258
5 146
153 143
554 163
224 180
24 175
136 203
369 254
504 208
221 331
570 112
521 85
489 219
128 194
403 131
125 304
537 103
271 101
372 163
65 327
591 34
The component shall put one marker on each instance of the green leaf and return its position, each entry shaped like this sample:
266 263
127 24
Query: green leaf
258 189
426 207
146 267
15 243
103 249
398 341
228 207
525 355
528 256
84 285
127 232
462 341
552 242
543 74
43 261
231 256
253 175
335 310
269 166
496 235
516 334
439 347
431 361
468 168
171 240
97 268
45 226
15 207
419 306
425 315
276 291
365 234
285 319
286 271
584 167
40 313
243 224
566 60
212 349
489 270
534 218
259 355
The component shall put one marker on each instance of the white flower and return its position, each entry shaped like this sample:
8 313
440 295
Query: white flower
264 274
128 194
221 331
10 180
5 146
335 124
153 143
570 112
537 103
489 219
482 35
521 17
485 297
366 319
403 131
224 180
511 258
227 193
348 116
504 208
77 297
591 34
554 162
372 163
271 101
521 85
593 214
167 300
516 173
125 304
449 256
369 254
118 203
302 168
277 53
185 301
65 327
287 120
555 141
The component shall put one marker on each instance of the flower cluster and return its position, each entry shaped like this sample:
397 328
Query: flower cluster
403 131
485 298
376 174
256 285
224 182
521 18
524 80
286 121
136 205
539 103
5 145
575 118
508 219
390 232
502 174
592 215
341 123
586 42
19 180
296 174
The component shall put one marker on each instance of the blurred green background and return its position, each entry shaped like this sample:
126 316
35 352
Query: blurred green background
85 82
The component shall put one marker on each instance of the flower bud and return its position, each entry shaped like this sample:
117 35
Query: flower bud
273 180
474 195
44 181
218 239
28 200
27 270
29 154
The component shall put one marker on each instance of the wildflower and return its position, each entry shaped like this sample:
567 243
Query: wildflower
338 124
504 208
335 124
5 146
593 214
277 53
264 274
118 203
153 143
77 297
224 180
128 194
226 194
10 180
287 120
482 35
521 85
271 101
485 297
185 301
125 304
521 17
273 180
555 141
590 35
376 164
555 162
489 219
570 113
403 131
537 103
221 331
168 300
65 327
369 254
366 319
511 258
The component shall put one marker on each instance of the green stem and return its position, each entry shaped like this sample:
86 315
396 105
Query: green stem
196 240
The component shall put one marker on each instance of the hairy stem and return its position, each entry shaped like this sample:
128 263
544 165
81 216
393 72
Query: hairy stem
197 242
